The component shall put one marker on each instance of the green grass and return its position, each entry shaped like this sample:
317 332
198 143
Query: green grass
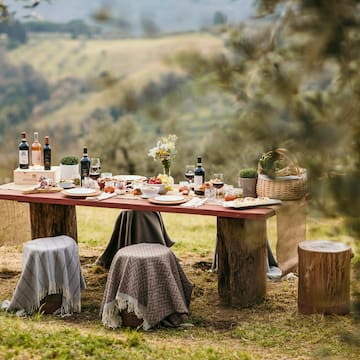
270 330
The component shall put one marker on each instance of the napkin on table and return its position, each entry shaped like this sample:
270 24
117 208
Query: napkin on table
194 203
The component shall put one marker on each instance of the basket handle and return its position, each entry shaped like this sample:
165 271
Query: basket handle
285 154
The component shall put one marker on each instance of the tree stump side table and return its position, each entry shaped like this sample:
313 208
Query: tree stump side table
324 277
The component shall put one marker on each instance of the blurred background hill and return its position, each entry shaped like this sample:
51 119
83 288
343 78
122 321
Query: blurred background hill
167 16
115 85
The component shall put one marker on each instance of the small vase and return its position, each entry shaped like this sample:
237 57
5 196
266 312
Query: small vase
166 162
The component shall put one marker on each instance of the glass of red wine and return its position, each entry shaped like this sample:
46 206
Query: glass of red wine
218 180
95 168
190 173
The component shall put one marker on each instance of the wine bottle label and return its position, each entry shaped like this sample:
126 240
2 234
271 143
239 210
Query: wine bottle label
23 157
47 161
36 157
198 181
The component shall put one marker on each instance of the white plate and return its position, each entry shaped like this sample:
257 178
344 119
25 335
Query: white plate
129 177
168 198
81 191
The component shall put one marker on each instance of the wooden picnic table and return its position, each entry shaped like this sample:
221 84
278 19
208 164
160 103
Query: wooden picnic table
241 235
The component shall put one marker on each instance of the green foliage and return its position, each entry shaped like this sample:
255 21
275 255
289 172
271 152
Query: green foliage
69 160
248 173
219 18
293 74
15 31
16 85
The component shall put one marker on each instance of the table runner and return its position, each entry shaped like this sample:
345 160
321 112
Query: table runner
134 227
50 266
149 280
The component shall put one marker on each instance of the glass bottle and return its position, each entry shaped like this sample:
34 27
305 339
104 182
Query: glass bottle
199 177
84 165
36 151
23 152
47 154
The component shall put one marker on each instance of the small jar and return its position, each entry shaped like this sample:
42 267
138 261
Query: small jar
233 193
109 187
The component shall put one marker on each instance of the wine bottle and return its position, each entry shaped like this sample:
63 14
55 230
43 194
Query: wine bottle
36 151
84 165
23 152
47 154
199 178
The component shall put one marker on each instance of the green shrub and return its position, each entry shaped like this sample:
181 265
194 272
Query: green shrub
69 160
248 173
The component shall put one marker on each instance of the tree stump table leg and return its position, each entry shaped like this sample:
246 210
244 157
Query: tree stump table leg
49 220
241 261
324 277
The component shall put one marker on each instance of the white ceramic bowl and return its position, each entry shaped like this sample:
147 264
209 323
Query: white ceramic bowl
66 184
149 191
161 188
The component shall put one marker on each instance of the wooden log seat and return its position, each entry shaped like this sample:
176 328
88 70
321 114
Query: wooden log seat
324 277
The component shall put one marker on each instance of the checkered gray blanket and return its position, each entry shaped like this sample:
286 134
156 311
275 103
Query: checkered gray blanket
148 280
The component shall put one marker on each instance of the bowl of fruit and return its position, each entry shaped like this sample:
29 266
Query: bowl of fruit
156 182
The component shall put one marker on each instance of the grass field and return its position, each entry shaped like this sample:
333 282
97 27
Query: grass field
270 330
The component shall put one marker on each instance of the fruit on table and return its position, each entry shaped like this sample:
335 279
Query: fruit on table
154 180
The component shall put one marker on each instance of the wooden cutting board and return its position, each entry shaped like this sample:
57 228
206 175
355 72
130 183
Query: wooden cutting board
42 191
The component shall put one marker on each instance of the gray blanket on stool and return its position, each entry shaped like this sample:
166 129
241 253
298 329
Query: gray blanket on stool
50 266
134 227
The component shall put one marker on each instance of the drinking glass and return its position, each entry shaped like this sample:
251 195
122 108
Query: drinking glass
218 180
190 173
95 167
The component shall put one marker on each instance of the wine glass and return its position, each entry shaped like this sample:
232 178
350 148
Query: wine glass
95 167
218 180
190 173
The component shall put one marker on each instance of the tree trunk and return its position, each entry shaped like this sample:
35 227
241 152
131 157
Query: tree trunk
241 261
52 220
324 277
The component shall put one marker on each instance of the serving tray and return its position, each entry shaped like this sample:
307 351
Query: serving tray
242 203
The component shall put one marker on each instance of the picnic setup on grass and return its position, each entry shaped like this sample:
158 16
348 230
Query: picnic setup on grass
146 285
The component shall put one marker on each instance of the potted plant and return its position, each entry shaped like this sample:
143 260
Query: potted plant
69 168
247 181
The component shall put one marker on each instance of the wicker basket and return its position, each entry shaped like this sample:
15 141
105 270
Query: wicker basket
282 188
287 183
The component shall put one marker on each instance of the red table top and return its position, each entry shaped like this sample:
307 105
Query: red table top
120 202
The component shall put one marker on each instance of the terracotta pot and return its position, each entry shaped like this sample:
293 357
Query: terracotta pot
249 186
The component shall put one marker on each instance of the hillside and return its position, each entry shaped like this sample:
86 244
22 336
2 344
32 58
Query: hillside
130 63
91 79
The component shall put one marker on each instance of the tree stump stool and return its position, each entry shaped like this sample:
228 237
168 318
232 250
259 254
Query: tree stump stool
324 277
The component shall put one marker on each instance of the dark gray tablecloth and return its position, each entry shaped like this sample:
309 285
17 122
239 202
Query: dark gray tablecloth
134 227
